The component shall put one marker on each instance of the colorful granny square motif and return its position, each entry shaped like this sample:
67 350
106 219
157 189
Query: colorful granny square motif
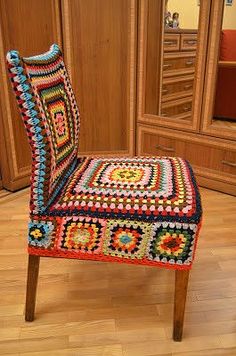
81 234
41 233
57 110
138 188
126 238
172 243
124 177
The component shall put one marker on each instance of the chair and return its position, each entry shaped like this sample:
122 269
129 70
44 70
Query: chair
141 210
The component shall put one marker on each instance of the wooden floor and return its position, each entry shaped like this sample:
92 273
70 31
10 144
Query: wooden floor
93 309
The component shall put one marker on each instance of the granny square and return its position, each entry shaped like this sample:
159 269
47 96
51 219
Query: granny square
81 234
41 233
136 188
128 239
172 243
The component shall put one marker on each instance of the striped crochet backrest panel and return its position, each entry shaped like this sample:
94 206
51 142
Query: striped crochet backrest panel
51 117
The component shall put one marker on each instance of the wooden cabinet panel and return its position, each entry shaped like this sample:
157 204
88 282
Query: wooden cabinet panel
100 48
177 108
188 42
171 42
30 28
228 162
174 88
173 64
212 159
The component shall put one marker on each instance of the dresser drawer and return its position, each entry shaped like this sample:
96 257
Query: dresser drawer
173 65
177 107
188 42
171 42
207 156
177 87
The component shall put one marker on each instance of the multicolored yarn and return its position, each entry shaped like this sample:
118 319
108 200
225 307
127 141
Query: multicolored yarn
51 118
142 210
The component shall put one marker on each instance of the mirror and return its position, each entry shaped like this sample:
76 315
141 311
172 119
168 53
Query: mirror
224 112
172 35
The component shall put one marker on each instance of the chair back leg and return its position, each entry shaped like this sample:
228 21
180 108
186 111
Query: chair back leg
32 281
181 286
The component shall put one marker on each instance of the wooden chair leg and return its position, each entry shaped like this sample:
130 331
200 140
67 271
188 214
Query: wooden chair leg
32 280
181 286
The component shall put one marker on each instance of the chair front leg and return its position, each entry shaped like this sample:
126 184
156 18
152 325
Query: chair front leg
181 286
32 280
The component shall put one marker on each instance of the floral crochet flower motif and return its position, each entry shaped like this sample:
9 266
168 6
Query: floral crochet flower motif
40 233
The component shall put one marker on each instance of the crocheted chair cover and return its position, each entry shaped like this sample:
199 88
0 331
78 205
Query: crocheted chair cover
142 210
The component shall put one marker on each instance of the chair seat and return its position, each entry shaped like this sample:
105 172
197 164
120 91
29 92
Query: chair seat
142 210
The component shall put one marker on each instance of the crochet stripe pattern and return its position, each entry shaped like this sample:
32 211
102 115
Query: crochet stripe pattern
141 210
44 95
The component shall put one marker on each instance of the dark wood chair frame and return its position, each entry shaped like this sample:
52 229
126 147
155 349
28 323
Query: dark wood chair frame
181 286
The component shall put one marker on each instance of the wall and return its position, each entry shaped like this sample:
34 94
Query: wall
188 12
229 20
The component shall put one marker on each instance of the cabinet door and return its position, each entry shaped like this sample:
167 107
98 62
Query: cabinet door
29 27
172 62
99 39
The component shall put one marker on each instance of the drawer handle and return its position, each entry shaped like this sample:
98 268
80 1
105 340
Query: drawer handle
187 108
187 86
189 63
227 163
191 42
164 148
169 43
165 66
164 114
165 91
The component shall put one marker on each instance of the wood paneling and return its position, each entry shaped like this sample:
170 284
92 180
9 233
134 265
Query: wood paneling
30 27
100 50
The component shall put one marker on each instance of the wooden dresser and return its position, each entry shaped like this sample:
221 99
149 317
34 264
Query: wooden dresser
179 56
177 75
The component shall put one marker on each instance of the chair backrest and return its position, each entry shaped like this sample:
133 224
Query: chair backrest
51 117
